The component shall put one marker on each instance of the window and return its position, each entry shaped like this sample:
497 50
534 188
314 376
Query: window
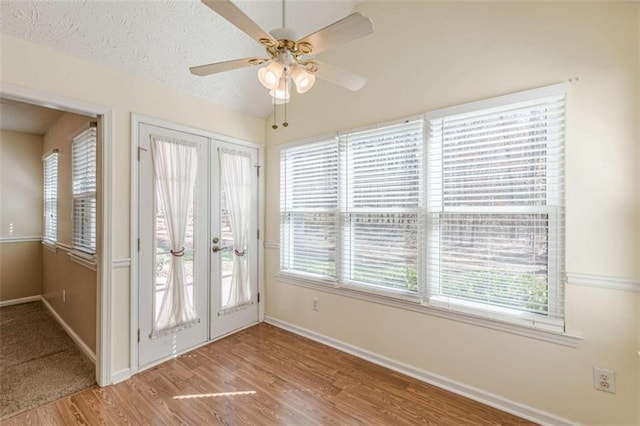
496 208
84 187
364 189
309 208
50 202
460 210
381 190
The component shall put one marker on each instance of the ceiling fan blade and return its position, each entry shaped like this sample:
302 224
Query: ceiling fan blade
231 13
350 28
217 67
339 77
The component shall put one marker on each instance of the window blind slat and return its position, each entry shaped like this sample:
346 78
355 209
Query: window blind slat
84 189
50 192
308 203
499 158
382 178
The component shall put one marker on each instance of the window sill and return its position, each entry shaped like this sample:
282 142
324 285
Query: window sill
412 304
52 247
83 259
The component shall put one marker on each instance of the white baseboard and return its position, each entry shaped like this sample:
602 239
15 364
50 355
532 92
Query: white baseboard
19 301
475 394
120 376
70 332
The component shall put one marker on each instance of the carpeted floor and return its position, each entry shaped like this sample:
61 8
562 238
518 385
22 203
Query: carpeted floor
39 362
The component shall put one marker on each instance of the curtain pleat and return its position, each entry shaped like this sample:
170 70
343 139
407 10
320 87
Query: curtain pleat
175 168
235 172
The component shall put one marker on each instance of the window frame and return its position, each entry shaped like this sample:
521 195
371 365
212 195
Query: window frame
553 213
79 231
46 239
521 323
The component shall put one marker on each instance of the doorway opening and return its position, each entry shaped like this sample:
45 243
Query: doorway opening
103 205
49 257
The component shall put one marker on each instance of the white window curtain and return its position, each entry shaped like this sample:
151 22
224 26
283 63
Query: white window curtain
236 174
175 169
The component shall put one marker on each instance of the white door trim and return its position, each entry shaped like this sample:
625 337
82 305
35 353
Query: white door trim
105 216
136 120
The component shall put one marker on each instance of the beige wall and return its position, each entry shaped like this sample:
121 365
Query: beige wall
20 184
428 55
44 69
638 169
20 270
20 214
59 273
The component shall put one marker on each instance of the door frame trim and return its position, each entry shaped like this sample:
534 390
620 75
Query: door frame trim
104 350
136 120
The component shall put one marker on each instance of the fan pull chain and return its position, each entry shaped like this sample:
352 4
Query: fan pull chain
275 126
286 96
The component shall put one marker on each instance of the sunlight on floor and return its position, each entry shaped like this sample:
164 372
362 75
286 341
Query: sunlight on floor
214 395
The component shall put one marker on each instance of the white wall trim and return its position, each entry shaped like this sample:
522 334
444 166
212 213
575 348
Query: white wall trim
105 236
19 301
133 244
121 376
70 332
600 281
121 263
9 240
262 197
456 387
271 245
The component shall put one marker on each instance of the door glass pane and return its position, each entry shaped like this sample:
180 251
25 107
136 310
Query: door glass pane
226 256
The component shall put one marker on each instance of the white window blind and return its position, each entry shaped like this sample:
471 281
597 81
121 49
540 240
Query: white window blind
50 204
84 187
496 208
381 194
308 208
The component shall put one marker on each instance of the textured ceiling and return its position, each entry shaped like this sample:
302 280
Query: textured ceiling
26 118
160 40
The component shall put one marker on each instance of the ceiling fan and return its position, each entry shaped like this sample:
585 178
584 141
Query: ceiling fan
289 60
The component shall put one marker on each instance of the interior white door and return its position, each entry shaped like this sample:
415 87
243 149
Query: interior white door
159 260
234 227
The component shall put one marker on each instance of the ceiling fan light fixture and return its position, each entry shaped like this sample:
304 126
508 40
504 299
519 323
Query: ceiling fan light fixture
269 76
304 80
282 93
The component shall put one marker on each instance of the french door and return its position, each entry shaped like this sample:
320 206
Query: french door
234 267
198 263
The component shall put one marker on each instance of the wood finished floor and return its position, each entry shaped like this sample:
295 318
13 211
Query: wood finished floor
265 375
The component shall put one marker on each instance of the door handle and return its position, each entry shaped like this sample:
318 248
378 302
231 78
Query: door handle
216 249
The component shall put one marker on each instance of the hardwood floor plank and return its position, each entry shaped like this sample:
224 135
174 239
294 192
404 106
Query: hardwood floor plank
266 376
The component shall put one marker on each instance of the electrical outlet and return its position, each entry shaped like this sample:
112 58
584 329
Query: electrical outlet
604 380
314 304
64 296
